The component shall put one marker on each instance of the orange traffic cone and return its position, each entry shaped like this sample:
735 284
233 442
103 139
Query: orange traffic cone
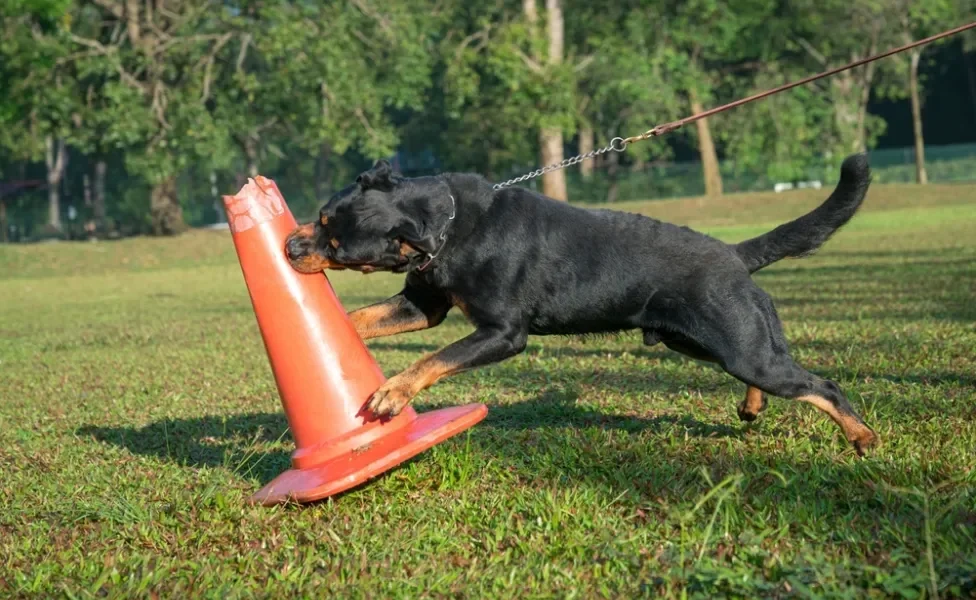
323 370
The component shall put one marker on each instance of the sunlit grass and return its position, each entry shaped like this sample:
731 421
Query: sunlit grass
138 411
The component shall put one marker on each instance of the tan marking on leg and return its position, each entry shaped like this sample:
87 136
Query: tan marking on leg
400 389
379 320
753 404
334 243
856 432
461 305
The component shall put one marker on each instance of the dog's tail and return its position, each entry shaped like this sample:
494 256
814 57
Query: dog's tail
803 236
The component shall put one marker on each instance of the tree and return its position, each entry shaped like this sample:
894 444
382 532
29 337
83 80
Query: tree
197 85
706 37
920 20
40 106
154 68
550 136
626 89
335 73
335 81
505 73
782 136
834 32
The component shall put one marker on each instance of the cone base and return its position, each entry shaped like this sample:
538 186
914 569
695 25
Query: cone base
356 466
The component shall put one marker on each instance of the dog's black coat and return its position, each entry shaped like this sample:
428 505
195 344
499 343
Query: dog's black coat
518 264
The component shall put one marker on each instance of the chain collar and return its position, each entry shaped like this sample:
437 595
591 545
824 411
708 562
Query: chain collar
442 237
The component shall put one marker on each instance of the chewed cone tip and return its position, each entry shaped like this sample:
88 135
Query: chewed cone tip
258 201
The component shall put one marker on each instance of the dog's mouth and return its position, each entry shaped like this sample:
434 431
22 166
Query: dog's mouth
305 257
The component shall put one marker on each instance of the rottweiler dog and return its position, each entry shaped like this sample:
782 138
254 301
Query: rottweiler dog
517 263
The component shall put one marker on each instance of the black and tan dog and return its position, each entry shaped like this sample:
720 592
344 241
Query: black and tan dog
517 263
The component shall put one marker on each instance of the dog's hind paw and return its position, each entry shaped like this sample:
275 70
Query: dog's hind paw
865 442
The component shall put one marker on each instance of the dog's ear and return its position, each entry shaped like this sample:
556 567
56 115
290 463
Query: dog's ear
380 177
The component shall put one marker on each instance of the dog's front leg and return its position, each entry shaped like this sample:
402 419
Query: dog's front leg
484 346
411 310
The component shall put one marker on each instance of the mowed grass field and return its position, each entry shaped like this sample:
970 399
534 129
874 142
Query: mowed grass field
138 412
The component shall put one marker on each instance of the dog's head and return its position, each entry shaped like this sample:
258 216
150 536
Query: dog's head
383 222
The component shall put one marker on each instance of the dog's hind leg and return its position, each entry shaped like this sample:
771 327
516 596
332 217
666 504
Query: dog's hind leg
748 341
651 337
753 404
780 376
754 401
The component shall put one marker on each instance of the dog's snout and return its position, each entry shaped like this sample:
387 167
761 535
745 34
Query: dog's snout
295 247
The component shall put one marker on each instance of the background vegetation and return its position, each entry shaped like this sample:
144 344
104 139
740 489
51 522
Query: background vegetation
134 116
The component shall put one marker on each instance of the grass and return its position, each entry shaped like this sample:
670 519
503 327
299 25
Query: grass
138 411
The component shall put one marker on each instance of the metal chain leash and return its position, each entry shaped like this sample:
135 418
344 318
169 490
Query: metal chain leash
617 144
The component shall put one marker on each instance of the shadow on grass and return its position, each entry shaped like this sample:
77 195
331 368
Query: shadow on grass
210 441
549 441
247 445
219 441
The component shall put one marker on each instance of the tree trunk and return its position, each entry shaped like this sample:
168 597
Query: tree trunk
586 145
613 166
531 11
132 21
555 28
920 175
98 198
971 76
706 148
323 179
165 209
55 158
218 205
551 138
3 221
553 182
86 191
251 152
847 114
866 84
860 140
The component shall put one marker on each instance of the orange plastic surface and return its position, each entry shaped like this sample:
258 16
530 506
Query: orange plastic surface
323 370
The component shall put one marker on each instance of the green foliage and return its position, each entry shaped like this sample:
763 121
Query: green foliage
782 136
40 98
629 87
314 91
498 88
48 10
334 72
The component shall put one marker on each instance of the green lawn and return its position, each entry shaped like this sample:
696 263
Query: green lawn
138 412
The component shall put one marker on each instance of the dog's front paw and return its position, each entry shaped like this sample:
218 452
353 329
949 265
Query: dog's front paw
390 399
